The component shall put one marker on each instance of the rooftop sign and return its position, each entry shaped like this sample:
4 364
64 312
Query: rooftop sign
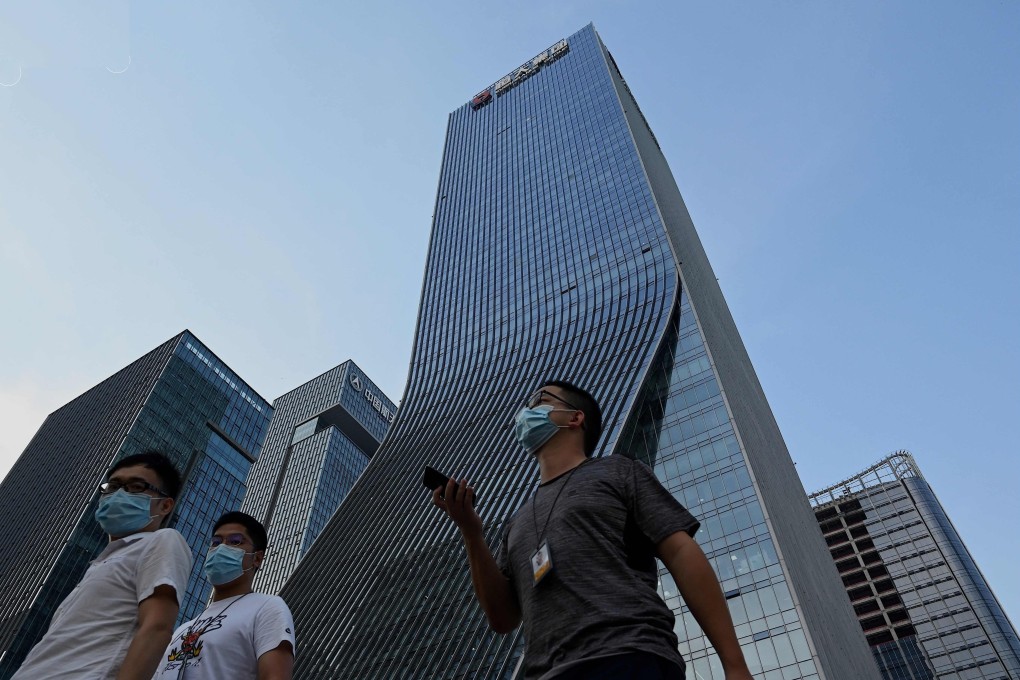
380 406
521 73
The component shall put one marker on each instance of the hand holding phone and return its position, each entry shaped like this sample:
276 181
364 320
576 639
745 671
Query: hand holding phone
434 479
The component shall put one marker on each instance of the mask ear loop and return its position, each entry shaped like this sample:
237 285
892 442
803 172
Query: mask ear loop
264 552
163 518
153 498
254 567
563 410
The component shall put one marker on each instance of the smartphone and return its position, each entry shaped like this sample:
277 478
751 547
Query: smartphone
433 479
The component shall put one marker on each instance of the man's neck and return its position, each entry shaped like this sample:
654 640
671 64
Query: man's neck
153 526
240 587
553 460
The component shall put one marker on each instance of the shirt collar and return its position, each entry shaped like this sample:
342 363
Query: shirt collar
114 546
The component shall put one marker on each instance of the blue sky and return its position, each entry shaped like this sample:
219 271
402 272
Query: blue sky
264 175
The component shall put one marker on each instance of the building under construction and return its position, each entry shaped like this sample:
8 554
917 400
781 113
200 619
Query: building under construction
924 606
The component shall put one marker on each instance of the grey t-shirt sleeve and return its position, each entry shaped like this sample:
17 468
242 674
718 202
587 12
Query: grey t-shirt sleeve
658 515
501 555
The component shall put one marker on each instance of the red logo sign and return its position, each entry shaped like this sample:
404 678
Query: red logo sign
481 99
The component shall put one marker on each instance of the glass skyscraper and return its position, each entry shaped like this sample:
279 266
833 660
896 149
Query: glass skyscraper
320 439
920 598
179 398
561 249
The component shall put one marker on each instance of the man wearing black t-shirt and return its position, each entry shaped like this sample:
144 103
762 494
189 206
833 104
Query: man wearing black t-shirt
576 564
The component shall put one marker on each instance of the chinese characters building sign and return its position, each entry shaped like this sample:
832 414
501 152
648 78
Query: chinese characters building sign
520 74
379 406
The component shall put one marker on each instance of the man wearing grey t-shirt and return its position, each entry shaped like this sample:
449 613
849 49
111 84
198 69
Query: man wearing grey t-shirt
576 564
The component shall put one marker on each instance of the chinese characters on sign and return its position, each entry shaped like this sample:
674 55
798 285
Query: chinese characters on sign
520 74
379 406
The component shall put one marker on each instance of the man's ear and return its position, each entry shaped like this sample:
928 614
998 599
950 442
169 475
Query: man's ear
577 420
260 556
166 506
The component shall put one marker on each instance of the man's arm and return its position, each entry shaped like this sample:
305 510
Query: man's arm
156 615
277 664
492 588
700 589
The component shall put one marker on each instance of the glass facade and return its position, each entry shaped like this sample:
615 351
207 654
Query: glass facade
561 249
920 598
215 485
180 399
902 659
684 433
320 440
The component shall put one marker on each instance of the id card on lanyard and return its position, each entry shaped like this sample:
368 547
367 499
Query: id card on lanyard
541 563
541 559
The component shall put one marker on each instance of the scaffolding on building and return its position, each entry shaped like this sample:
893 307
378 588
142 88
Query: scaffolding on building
893 468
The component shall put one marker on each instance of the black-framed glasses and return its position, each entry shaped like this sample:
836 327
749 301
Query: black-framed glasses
233 540
536 399
130 485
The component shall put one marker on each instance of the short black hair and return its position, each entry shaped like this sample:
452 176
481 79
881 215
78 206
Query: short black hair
585 403
169 477
254 527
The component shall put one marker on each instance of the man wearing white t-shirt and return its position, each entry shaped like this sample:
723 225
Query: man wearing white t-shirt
242 634
117 620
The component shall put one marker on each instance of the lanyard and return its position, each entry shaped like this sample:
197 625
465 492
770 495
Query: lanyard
534 514
191 631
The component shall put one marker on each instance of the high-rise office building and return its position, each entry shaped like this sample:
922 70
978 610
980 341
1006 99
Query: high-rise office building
321 437
561 248
920 598
179 398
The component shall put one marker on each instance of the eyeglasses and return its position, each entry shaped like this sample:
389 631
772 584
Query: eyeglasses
537 398
233 540
130 485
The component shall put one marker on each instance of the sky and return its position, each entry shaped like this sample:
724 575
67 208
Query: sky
264 175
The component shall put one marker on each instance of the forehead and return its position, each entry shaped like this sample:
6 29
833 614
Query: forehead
552 389
137 472
232 528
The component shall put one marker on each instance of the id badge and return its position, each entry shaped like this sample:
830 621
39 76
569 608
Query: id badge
541 563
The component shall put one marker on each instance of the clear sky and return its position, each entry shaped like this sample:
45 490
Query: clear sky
263 173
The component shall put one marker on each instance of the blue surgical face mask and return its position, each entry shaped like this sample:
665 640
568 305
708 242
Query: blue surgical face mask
122 513
534 428
225 563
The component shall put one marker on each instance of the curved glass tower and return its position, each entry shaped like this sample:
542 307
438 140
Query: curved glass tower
561 248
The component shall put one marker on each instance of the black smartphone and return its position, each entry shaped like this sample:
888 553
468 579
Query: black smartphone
433 479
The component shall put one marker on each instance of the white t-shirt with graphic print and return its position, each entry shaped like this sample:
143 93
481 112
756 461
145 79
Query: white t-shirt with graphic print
227 639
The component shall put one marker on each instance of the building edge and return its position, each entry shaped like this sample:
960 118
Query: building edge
830 626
